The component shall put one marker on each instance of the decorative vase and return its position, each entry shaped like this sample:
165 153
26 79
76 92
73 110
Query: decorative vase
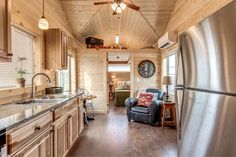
20 83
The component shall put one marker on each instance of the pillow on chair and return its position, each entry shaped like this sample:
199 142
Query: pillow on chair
145 99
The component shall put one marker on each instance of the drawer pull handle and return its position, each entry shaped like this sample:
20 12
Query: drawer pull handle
37 128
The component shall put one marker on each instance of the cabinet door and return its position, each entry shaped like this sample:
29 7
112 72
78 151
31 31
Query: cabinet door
73 127
64 51
34 152
46 146
81 119
60 138
5 30
39 147
55 49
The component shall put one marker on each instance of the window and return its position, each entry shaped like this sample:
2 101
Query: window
67 78
22 46
63 77
169 69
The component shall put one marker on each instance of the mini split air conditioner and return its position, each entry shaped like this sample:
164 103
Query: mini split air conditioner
167 40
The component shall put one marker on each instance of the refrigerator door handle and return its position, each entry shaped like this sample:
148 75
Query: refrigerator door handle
179 87
179 125
179 62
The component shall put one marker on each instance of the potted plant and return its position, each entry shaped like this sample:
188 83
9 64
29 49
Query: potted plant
20 80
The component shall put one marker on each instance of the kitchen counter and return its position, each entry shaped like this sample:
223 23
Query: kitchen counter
12 115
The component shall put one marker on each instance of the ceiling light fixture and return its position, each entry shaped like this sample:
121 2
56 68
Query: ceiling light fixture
122 5
118 7
114 6
117 39
43 22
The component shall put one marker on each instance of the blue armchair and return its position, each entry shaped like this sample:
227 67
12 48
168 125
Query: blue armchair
151 114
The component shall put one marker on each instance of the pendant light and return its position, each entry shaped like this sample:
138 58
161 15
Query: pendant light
43 22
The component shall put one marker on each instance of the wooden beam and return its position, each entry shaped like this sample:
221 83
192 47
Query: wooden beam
118 62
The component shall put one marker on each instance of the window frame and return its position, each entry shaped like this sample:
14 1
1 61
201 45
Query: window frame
70 57
167 66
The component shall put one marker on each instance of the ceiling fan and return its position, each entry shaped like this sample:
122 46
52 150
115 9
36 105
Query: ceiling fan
118 6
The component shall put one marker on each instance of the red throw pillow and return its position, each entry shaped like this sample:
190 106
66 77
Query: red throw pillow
145 99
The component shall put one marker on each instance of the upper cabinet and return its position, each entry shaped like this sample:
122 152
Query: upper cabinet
5 31
56 49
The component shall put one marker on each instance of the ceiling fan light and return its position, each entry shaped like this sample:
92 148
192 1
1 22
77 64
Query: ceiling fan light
123 5
114 6
43 23
118 10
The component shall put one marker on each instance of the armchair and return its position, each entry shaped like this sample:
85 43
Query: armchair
141 113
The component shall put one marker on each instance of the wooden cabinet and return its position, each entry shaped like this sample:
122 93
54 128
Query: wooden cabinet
51 134
56 49
5 30
65 128
64 110
22 135
73 127
81 116
39 147
61 137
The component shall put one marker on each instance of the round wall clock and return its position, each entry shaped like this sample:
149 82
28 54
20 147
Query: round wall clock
146 68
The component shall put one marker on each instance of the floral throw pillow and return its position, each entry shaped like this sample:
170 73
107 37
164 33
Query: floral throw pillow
145 99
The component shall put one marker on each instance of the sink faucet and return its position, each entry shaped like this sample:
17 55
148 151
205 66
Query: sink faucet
32 83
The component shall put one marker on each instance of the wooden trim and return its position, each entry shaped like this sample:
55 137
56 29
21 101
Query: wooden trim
132 74
118 62
9 28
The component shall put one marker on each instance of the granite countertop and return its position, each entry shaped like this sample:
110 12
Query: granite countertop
12 115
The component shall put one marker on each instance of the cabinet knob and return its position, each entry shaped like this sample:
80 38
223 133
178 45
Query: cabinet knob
9 54
37 128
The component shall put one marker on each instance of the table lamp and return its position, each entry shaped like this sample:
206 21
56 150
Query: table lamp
167 80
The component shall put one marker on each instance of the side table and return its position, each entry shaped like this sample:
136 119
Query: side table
172 122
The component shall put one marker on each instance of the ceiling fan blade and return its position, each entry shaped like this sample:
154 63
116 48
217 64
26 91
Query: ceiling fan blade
100 3
132 6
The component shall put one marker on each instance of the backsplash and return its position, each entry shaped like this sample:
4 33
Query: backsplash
17 94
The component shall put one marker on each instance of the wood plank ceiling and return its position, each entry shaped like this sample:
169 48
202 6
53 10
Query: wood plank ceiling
136 29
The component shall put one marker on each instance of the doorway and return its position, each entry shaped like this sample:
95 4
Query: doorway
118 76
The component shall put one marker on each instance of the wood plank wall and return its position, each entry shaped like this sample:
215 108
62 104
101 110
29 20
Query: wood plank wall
92 76
140 82
189 12
25 15
93 73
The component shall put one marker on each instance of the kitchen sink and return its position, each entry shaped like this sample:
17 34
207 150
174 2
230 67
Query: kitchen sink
38 101
48 97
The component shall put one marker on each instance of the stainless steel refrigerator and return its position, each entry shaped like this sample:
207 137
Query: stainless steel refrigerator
205 89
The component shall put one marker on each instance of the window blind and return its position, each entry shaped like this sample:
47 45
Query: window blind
22 46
